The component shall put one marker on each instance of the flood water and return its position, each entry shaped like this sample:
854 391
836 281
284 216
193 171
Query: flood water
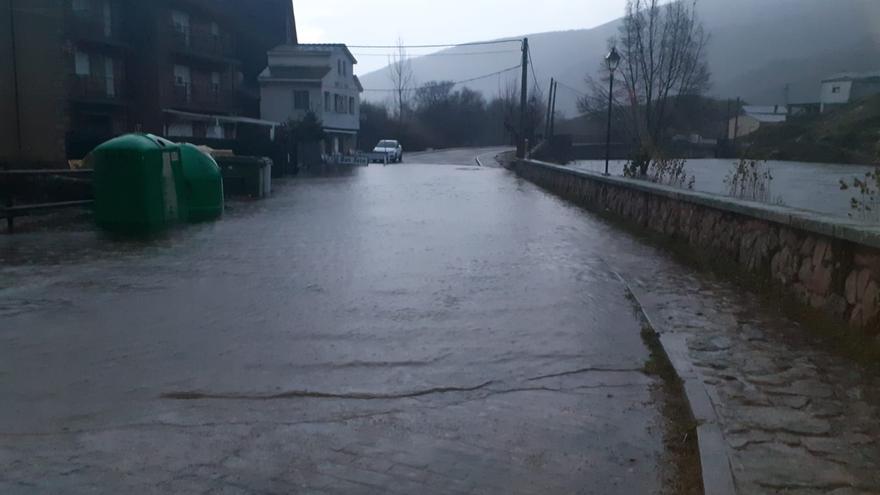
808 186
423 328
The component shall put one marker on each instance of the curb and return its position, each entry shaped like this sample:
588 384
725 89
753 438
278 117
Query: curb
714 461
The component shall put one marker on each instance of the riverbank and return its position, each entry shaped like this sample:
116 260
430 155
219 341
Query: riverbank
849 134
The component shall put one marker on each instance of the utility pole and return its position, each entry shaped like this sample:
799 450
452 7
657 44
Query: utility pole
549 105
553 108
15 77
736 122
524 100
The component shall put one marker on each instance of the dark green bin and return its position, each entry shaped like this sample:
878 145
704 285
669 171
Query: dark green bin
137 184
203 185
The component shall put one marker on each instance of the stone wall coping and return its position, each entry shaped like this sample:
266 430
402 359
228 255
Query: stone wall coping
817 223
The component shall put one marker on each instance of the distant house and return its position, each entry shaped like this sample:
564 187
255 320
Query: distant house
845 87
754 117
315 78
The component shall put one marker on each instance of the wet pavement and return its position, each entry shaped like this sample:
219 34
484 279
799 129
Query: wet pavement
431 327
799 415
799 412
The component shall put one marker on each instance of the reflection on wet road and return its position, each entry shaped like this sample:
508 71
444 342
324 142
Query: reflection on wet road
404 329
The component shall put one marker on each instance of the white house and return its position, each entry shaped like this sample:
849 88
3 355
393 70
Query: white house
315 78
753 117
845 87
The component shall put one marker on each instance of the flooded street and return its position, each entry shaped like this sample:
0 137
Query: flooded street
794 184
432 327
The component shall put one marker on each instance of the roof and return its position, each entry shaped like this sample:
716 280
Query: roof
321 49
357 82
853 76
295 72
765 109
221 118
766 118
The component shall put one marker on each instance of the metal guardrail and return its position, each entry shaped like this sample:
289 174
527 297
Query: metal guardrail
10 210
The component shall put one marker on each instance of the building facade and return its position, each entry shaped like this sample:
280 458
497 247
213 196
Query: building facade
320 79
843 88
753 117
84 71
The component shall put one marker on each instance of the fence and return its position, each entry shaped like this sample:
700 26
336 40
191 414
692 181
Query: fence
14 187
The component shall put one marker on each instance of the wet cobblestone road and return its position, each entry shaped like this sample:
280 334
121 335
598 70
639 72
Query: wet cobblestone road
409 329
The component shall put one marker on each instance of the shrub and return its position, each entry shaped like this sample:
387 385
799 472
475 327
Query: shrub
660 170
866 204
750 180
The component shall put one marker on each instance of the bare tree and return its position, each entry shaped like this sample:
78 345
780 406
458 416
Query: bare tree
402 79
663 50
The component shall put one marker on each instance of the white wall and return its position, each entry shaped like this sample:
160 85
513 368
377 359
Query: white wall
341 84
838 96
276 101
276 98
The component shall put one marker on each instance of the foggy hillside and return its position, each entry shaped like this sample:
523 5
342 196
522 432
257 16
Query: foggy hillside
757 49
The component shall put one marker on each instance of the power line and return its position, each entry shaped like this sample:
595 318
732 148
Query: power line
454 83
566 86
532 66
438 54
450 45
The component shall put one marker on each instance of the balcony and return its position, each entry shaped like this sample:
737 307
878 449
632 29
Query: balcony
106 90
203 44
87 25
201 97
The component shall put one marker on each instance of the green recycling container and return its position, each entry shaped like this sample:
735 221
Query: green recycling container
138 182
203 185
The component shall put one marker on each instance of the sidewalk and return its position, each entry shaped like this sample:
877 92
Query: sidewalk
797 419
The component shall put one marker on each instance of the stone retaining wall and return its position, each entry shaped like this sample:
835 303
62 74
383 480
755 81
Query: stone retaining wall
827 263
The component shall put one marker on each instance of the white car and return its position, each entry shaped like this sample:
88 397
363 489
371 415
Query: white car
390 148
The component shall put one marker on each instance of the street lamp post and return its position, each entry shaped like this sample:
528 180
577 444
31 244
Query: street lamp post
612 60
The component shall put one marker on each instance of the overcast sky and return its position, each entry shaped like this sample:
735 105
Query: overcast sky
420 22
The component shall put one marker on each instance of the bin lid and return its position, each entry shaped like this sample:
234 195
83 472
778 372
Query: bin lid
137 142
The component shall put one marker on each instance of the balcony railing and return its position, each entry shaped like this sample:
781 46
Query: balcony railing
97 88
90 25
207 96
198 42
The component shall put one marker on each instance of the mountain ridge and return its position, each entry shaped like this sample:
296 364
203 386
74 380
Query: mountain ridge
757 48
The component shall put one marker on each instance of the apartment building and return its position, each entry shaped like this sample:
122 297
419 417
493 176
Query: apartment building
86 70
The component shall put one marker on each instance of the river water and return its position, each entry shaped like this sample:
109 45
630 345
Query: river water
807 186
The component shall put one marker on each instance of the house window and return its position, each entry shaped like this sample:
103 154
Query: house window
80 7
301 100
82 65
327 106
110 77
339 103
835 89
351 105
215 83
339 67
180 21
183 82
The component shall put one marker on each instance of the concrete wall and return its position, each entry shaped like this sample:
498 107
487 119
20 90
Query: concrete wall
826 263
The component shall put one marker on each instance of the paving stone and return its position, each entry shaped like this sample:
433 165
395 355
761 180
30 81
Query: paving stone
778 419
781 466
